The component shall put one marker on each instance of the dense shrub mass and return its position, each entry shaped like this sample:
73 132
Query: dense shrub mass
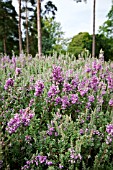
56 113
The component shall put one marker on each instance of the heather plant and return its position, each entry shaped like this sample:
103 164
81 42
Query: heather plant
56 113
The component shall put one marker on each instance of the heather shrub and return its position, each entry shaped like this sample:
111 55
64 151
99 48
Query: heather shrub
56 113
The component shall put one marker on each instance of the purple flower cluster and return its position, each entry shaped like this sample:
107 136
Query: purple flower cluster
13 124
57 100
51 130
17 71
39 87
53 91
67 87
57 75
65 102
109 130
83 91
74 98
74 156
36 160
75 82
81 131
9 82
109 78
94 83
19 119
28 139
111 102
96 132
91 98
31 102
60 166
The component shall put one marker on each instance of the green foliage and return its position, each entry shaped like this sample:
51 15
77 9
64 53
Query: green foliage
107 27
8 27
52 37
79 43
84 41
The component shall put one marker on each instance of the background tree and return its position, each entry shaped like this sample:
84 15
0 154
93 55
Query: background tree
93 42
39 28
107 27
79 42
84 40
19 27
8 27
27 10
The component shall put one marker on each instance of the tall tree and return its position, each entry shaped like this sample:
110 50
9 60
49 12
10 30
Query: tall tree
19 27
49 7
93 44
8 27
27 8
39 28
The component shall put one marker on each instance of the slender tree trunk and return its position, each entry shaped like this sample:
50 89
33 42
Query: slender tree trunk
39 28
19 28
4 42
27 34
93 44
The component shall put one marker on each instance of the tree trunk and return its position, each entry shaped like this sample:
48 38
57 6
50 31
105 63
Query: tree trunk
93 44
19 28
39 28
4 42
27 34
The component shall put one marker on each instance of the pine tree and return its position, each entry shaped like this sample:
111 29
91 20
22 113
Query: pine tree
8 27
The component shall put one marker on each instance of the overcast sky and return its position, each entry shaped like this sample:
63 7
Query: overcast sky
77 17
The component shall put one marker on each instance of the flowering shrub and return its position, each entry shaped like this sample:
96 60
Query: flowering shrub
56 113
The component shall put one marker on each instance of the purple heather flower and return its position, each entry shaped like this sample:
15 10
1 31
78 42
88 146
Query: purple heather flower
53 91
58 115
50 130
81 131
39 86
111 102
94 82
18 71
42 159
56 133
88 105
75 82
25 167
96 132
83 91
57 100
57 74
23 118
9 82
31 102
91 98
65 102
100 99
67 87
74 156
13 124
108 140
87 69
74 98
61 166
109 129
49 163
28 138
28 162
